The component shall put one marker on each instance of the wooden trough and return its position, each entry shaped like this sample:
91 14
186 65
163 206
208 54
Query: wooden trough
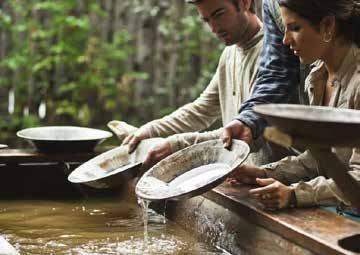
224 216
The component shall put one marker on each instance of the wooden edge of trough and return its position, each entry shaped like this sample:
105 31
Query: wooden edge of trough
19 156
228 218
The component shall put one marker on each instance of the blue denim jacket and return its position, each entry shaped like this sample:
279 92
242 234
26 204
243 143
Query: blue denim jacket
279 71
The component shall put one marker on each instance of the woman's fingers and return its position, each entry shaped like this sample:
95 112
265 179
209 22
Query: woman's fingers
272 204
231 181
263 190
265 181
269 196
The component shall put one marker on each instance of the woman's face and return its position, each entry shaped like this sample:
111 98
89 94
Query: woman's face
306 42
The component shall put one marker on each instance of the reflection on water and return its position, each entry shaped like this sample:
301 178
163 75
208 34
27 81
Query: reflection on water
91 227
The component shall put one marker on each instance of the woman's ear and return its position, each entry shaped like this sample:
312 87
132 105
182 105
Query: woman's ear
328 28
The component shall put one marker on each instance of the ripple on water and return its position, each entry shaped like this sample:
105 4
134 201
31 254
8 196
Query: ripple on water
96 212
155 245
71 229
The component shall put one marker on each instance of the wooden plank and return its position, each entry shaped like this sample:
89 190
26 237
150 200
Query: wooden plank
313 228
45 180
19 156
226 228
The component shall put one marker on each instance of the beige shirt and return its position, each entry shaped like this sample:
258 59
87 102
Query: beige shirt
312 187
230 86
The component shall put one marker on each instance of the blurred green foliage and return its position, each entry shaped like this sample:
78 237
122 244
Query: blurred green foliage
56 55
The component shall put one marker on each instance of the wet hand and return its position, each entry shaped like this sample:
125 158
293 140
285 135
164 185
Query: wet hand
236 130
157 153
273 194
135 138
246 174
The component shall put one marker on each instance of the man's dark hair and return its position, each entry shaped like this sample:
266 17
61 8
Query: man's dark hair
235 2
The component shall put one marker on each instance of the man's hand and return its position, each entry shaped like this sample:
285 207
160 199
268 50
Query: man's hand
135 138
274 195
159 152
247 174
236 130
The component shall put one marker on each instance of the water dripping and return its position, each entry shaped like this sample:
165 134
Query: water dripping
145 206
165 212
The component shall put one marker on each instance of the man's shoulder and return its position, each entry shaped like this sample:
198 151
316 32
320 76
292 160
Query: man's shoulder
229 49
227 52
274 10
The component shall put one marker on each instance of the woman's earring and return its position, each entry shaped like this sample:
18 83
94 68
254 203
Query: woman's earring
327 37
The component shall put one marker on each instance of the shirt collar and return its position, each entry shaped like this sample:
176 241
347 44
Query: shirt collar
319 73
252 42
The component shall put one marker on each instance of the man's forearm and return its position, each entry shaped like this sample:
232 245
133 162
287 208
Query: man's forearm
278 76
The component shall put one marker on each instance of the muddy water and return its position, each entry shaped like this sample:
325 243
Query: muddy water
92 227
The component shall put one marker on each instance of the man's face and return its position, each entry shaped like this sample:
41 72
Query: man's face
224 18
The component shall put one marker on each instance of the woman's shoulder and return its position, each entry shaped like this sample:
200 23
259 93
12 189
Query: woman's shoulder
357 57
354 81
356 64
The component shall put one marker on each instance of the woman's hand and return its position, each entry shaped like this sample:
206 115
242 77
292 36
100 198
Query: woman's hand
246 174
273 194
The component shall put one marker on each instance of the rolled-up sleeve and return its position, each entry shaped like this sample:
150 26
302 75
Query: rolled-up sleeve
318 191
181 141
303 175
293 169
323 191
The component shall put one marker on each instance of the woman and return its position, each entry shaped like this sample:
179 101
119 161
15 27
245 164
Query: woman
323 33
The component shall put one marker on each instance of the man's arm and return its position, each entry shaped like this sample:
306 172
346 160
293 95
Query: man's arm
177 142
195 116
278 77
192 117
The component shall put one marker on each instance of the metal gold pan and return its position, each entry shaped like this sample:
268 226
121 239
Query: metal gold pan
318 129
112 168
191 171
313 122
65 139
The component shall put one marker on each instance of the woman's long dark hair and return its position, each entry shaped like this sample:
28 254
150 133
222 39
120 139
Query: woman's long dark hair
346 13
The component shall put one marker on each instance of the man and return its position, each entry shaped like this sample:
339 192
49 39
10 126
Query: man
277 82
236 24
